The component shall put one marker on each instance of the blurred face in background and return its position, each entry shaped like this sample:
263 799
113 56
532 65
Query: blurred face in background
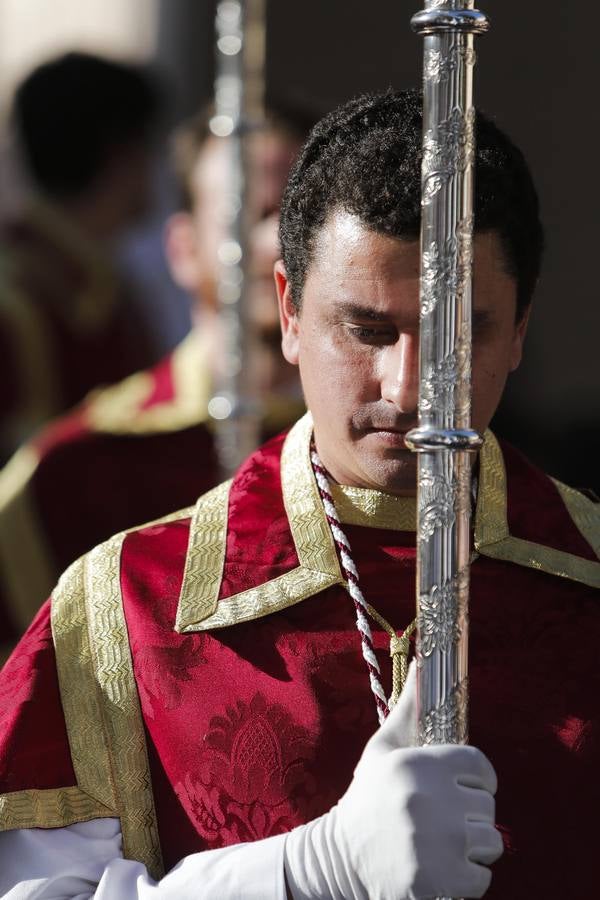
193 240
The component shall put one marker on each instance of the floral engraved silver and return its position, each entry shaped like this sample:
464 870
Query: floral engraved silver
432 186
439 497
447 722
464 239
437 67
445 384
446 270
442 614
436 509
438 273
444 491
449 148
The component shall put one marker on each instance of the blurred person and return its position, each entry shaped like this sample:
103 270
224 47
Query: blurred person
194 713
137 450
85 129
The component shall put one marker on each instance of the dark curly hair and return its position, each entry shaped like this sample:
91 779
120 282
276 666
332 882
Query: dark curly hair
365 158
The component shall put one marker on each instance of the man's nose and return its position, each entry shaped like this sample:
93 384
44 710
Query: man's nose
400 374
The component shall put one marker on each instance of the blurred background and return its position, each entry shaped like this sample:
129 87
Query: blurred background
537 75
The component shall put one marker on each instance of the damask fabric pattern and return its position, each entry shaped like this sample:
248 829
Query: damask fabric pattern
257 726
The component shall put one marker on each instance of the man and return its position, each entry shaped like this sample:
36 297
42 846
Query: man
141 448
85 128
211 692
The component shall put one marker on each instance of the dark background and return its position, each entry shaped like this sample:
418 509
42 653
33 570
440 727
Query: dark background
537 74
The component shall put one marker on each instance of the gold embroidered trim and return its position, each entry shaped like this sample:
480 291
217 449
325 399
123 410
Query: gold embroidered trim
373 509
492 537
199 609
585 514
81 700
27 570
273 596
178 516
308 524
101 710
49 808
545 559
117 409
491 521
120 705
204 559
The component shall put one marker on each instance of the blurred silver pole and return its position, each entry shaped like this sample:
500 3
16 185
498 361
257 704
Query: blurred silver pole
239 109
444 439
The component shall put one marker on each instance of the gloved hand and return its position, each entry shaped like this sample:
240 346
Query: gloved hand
415 823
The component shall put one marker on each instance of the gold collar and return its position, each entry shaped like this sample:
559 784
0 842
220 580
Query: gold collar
199 607
373 509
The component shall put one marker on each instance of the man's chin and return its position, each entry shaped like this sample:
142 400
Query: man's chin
393 471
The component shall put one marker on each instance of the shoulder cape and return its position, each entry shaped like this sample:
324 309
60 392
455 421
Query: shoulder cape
97 764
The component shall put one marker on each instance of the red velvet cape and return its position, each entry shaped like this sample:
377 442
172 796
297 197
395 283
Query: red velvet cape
255 727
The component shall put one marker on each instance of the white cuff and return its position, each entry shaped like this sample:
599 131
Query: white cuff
84 861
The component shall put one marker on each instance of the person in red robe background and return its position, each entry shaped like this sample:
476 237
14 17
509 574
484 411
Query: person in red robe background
85 131
138 449
196 688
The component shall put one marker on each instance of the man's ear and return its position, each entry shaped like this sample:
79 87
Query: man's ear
288 315
519 339
181 251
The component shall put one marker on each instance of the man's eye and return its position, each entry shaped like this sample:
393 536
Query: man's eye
372 335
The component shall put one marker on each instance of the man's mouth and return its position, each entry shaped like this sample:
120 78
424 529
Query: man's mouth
392 437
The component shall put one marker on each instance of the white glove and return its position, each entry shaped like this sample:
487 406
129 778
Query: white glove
415 823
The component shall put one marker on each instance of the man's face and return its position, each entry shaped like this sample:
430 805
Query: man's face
356 341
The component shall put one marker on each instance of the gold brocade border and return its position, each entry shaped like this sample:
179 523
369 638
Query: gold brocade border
101 710
81 700
545 559
122 715
584 512
308 523
94 795
491 520
204 559
271 597
199 609
117 409
492 536
54 808
373 509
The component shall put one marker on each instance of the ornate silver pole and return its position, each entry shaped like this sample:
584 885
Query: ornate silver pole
239 91
444 439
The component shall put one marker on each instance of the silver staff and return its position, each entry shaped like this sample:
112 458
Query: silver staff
239 109
444 439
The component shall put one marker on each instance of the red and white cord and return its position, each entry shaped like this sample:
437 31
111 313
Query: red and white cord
354 590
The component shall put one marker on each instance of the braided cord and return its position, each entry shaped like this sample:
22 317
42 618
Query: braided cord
351 573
